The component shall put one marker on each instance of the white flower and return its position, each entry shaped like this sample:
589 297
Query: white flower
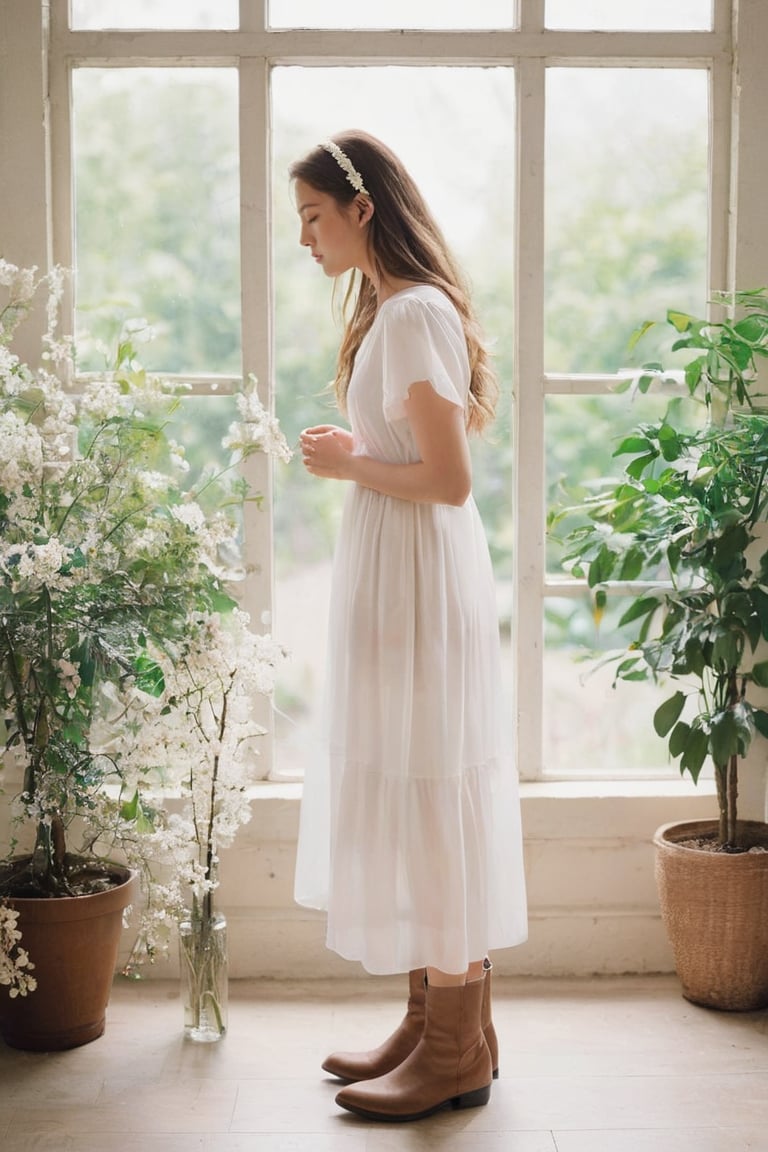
177 456
21 454
204 749
257 428
7 272
191 515
35 564
20 281
152 484
102 400
15 965
8 363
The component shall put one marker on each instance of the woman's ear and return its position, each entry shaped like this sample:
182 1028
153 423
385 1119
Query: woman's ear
365 209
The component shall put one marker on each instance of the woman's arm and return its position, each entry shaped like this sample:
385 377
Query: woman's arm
443 475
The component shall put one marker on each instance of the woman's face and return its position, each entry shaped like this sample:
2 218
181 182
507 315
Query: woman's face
334 233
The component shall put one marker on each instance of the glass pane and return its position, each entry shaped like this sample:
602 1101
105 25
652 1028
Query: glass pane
640 15
626 208
591 728
199 425
155 14
581 434
474 204
392 14
157 214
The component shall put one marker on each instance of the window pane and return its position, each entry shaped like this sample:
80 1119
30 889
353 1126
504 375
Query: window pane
591 728
155 13
640 15
626 207
199 425
157 214
392 14
474 204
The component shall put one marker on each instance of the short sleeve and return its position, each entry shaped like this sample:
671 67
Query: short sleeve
422 341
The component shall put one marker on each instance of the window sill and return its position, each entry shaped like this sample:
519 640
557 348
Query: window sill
604 810
542 789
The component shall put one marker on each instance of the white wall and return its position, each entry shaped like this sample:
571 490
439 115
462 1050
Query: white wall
25 237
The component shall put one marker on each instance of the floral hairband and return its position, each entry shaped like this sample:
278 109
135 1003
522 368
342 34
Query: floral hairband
344 162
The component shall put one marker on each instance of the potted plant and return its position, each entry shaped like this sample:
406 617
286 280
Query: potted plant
686 520
107 563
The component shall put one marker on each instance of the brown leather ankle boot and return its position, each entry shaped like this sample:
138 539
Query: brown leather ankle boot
368 1065
486 1021
450 1067
354 1066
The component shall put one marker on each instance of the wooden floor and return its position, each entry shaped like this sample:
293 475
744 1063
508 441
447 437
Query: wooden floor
619 1065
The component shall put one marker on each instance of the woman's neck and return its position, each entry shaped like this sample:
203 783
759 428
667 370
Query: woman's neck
391 286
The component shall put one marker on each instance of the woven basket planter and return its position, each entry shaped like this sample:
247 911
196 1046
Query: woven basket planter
715 909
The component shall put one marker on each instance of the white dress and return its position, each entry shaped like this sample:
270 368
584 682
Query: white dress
410 820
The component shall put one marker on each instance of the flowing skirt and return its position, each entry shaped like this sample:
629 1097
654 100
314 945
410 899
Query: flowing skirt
410 824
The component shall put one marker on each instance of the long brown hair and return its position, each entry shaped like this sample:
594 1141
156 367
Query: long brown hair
406 243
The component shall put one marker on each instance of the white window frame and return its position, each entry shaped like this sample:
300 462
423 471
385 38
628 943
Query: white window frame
254 49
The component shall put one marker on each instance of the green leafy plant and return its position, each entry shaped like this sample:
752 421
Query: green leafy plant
110 569
681 531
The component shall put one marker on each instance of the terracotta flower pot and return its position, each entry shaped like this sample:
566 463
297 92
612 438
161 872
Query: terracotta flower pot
73 943
715 909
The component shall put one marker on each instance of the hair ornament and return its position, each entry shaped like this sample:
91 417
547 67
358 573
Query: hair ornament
346 165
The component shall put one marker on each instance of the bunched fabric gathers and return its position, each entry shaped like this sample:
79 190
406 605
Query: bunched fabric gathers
410 823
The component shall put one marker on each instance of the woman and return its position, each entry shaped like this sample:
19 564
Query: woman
410 828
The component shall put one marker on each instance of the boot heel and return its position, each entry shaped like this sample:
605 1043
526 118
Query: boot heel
472 1099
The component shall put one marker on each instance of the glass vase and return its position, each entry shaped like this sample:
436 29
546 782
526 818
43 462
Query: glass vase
204 975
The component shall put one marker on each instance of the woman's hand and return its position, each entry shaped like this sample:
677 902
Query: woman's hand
326 451
443 475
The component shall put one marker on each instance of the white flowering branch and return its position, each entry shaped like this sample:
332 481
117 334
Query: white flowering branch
125 667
